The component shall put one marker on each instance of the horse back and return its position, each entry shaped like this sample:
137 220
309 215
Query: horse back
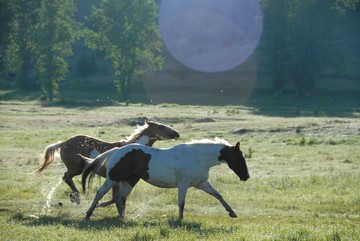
84 145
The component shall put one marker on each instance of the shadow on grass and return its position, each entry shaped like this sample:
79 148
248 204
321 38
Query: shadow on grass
334 102
19 95
105 223
325 104
70 99
65 221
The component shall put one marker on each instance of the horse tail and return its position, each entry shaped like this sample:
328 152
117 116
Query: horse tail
93 166
49 156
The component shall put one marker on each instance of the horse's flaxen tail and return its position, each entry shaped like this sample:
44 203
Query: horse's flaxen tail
49 156
92 166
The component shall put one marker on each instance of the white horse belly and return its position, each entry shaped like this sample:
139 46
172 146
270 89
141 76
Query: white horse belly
162 178
162 183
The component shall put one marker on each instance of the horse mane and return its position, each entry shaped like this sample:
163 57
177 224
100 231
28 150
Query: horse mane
216 140
135 135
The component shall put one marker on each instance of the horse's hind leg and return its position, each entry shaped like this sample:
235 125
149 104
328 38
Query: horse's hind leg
75 195
206 187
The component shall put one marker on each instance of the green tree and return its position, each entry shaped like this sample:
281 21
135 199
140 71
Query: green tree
276 29
57 31
127 32
5 18
298 40
42 34
21 51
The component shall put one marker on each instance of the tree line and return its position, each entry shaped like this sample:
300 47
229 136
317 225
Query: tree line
37 36
298 41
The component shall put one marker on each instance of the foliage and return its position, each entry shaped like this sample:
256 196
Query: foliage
5 17
298 40
22 49
57 31
42 34
127 32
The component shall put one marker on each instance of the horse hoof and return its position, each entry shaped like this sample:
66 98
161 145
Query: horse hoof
233 215
75 197
101 205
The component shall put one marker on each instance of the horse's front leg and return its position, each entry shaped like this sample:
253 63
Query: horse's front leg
182 190
99 194
115 191
208 188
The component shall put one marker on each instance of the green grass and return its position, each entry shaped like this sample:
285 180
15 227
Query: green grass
304 170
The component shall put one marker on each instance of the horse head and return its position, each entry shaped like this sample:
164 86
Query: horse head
159 131
233 156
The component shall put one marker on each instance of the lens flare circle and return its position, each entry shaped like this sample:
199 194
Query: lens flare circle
210 35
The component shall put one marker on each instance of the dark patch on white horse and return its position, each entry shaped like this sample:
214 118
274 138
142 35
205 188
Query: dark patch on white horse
131 167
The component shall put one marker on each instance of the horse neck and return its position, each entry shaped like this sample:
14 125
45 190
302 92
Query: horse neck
149 142
208 154
142 138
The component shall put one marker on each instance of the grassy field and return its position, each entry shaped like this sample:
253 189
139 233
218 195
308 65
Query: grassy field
304 161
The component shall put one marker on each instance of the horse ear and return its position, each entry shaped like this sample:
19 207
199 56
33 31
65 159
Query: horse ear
237 145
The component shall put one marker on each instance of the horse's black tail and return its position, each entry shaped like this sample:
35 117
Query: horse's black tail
87 170
93 166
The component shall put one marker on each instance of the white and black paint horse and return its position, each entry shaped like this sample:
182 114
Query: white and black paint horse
182 166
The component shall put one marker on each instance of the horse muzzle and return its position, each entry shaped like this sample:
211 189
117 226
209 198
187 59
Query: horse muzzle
244 179
176 135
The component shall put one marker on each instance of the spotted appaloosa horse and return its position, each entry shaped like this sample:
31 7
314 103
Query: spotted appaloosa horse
182 166
88 146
